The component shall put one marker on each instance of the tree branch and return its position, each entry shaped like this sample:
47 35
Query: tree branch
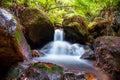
56 7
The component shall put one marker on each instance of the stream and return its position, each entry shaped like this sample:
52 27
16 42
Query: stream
68 56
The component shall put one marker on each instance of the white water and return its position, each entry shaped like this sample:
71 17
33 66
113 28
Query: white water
59 47
58 36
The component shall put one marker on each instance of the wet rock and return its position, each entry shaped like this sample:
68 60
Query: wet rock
7 21
107 51
78 76
100 27
35 71
89 76
36 53
89 53
69 76
24 47
38 28
75 29
75 49
10 53
32 73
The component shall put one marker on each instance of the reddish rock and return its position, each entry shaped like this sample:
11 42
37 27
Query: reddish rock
107 51
9 52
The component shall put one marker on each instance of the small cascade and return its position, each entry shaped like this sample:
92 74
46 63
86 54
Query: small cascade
60 47
58 36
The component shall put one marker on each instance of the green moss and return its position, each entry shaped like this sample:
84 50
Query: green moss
56 68
91 24
74 24
39 66
97 19
51 69
16 35
32 15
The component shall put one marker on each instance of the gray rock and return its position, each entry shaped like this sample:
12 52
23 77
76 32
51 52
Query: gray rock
7 22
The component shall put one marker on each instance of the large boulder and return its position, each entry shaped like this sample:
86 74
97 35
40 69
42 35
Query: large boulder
100 27
107 51
35 71
10 53
38 28
75 28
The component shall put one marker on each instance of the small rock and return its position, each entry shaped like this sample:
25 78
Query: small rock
89 54
89 76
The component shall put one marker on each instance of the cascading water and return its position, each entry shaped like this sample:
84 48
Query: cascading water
60 47
58 36
67 55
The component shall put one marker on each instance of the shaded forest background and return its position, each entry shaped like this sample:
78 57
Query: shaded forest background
58 9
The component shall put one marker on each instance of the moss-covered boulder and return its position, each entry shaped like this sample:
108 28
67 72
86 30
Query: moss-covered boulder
38 28
35 71
100 27
10 53
75 28
107 51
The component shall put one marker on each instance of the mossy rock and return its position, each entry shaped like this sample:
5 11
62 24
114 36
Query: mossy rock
38 28
35 71
10 53
100 27
75 28
47 66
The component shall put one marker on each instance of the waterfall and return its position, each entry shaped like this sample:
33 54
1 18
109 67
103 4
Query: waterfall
58 36
61 47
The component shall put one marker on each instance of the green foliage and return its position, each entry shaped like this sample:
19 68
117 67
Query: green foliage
6 3
57 9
